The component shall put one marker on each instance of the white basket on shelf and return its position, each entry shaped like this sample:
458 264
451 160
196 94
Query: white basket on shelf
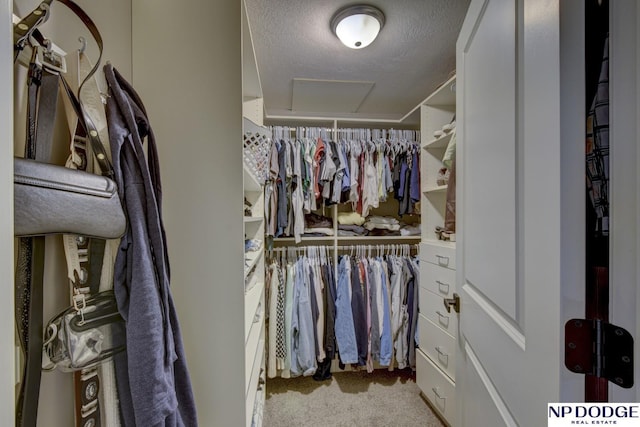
256 155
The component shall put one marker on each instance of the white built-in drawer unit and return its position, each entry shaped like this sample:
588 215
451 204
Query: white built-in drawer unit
436 387
439 346
438 329
439 280
432 308
439 253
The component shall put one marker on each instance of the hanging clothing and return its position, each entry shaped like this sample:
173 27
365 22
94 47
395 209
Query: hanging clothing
368 313
345 328
303 354
313 171
276 321
597 148
154 387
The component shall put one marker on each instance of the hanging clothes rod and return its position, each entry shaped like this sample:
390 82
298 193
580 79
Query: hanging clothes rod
392 135
379 246
346 247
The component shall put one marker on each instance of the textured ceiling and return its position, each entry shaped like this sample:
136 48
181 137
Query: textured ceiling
413 54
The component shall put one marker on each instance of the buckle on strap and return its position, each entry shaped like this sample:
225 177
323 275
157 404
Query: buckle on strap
79 301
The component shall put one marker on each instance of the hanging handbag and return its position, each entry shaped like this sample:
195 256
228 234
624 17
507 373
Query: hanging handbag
55 199
50 199
84 335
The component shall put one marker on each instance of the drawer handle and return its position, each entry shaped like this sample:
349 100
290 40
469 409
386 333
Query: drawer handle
442 259
442 285
441 353
435 391
442 316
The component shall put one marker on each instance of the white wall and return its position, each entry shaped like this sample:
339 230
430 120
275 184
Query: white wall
6 214
187 60
187 69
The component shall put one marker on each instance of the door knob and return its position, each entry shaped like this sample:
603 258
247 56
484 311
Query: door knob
452 302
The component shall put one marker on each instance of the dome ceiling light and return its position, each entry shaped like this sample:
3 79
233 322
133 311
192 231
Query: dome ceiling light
357 26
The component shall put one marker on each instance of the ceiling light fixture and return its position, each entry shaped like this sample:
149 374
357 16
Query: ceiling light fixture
357 26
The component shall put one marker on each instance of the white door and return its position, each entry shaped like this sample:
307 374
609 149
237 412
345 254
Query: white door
624 110
512 200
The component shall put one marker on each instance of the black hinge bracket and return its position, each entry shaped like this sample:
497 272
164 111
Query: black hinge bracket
594 347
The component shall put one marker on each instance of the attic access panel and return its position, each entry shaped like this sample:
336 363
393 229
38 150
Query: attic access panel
329 96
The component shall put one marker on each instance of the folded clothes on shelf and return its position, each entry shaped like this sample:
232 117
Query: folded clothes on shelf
317 232
410 230
350 218
382 232
313 220
358 230
443 176
252 245
376 219
349 233
382 223
375 226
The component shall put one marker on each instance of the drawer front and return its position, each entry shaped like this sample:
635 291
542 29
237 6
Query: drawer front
440 281
438 345
439 390
442 255
432 307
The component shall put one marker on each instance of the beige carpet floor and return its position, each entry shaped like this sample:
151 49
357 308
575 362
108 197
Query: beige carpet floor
354 399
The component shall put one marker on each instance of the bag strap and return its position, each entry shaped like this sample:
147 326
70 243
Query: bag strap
26 28
31 261
91 132
42 103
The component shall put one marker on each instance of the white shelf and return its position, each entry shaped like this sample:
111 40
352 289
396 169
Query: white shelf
253 258
441 243
373 238
439 143
250 182
260 395
304 239
253 353
252 299
348 238
444 95
434 190
253 219
252 127
252 389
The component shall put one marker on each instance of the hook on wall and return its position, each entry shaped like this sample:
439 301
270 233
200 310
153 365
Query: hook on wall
83 44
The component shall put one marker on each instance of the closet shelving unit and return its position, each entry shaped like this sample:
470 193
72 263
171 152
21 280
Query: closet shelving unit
437 328
254 318
338 245
254 228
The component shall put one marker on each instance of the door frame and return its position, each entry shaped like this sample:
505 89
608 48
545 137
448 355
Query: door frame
7 327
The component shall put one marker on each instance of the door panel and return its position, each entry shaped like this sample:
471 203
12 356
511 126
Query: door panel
624 185
510 203
488 406
490 179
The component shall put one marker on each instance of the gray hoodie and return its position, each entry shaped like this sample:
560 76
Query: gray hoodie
153 382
